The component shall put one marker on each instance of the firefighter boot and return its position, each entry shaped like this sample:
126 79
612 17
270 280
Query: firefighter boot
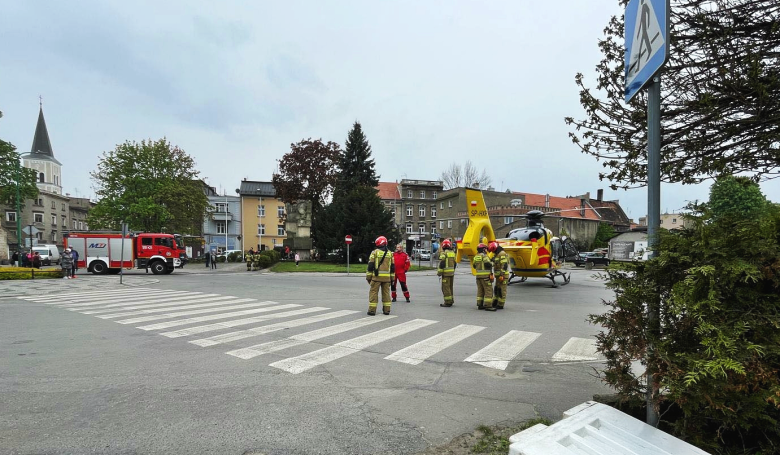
371 311
385 310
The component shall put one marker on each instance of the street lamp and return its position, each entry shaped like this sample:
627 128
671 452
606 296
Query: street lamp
226 226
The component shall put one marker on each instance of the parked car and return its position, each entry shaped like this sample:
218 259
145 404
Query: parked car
579 260
221 256
49 255
596 258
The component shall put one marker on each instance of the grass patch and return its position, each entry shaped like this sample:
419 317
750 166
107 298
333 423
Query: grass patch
327 267
495 441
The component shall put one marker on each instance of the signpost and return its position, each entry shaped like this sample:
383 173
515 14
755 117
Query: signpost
30 230
647 50
348 239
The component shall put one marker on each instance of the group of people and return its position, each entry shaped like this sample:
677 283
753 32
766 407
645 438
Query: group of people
211 260
385 270
69 263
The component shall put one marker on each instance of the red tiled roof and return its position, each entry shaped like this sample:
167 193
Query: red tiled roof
388 190
569 206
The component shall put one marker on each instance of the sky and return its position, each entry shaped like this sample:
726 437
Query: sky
234 83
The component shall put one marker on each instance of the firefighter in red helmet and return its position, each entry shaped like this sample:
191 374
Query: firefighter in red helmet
484 268
379 273
501 272
447 272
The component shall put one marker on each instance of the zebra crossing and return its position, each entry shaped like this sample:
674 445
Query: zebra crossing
214 319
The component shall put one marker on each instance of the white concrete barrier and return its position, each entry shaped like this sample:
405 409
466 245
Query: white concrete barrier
597 429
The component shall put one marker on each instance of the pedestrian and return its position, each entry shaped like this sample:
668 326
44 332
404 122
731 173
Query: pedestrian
66 262
27 259
484 268
75 255
501 273
214 260
250 258
208 258
402 264
36 260
297 258
15 259
379 274
447 272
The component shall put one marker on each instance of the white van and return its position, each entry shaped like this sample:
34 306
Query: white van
49 254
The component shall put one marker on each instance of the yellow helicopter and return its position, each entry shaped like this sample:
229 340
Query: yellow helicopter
533 251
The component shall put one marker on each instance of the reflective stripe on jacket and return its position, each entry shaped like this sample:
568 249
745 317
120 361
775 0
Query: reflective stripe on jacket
382 261
482 265
447 263
501 263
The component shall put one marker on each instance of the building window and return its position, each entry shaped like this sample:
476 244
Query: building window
222 207
422 194
409 194
433 228
422 211
674 220
280 230
441 224
64 222
40 177
422 228
409 228
261 210
54 220
39 235
508 220
39 202
53 204
441 205
433 211
53 236
449 224
63 206
81 225
261 229
38 217
464 221
280 213
409 210
75 224
10 216
221 227
449 204
435 195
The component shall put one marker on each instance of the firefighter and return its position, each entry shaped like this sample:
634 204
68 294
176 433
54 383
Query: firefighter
380 272
481 263
447 272
250 256
501 272
402 264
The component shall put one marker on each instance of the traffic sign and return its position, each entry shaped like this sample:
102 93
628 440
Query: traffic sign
348 239
647 42
30 230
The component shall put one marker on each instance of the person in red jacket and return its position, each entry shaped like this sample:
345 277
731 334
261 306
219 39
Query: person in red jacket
402 264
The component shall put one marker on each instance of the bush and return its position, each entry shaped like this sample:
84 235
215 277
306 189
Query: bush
235 256
25 273
273 255
717 351
264 261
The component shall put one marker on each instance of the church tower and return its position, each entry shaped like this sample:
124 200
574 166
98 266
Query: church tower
41 158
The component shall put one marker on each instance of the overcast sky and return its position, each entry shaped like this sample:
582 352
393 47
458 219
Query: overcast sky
234 83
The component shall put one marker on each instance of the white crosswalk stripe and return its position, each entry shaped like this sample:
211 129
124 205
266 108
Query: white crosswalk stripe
169 311
499 353
418 352
169 324
190 305
308 361
241 334
233 306
577 349
303 338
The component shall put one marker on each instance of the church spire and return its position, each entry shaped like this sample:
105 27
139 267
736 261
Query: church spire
41 144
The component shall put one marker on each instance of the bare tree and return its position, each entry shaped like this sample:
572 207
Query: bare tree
467 175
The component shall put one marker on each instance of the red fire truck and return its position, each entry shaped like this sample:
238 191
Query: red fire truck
102 252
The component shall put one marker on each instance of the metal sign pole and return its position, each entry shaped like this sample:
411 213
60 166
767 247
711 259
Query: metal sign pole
347 259
121 253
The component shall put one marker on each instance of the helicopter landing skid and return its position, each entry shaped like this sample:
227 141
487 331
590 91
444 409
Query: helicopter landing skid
555 273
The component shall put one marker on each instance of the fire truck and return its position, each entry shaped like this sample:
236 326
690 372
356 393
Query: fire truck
103 252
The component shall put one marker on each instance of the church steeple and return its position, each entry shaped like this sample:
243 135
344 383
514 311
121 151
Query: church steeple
41 144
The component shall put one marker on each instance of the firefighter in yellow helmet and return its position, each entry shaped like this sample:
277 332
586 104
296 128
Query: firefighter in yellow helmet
447 272
501 272
379 273
484 268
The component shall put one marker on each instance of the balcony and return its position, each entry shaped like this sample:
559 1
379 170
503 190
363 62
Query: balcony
221 216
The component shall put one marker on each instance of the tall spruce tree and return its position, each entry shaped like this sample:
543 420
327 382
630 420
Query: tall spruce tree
356 165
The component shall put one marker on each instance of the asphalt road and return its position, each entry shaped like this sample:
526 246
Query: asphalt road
79 376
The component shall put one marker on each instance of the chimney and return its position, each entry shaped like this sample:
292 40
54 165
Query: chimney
546 200
582 207
600 194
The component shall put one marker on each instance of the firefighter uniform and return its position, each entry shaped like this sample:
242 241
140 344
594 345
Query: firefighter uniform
447 273
250 256
379 273
481 263
501 272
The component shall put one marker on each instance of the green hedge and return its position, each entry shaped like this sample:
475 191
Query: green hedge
23 273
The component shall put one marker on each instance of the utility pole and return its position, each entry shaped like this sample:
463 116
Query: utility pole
18 206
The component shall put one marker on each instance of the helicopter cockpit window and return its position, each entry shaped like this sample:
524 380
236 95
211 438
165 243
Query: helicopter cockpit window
526 234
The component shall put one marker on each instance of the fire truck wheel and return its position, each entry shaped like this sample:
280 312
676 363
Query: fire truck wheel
99 268
158 267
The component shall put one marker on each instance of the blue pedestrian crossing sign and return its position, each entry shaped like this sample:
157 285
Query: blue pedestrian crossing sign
647 42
